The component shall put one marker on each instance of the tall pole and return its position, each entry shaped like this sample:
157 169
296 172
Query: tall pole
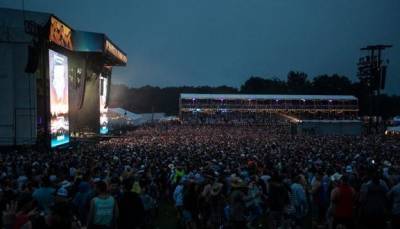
370 72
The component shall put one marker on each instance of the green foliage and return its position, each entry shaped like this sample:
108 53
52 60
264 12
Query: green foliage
156 99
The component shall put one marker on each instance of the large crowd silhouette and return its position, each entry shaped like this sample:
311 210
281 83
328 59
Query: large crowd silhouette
215 176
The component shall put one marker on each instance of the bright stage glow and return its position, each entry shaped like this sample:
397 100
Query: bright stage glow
58 74
103 103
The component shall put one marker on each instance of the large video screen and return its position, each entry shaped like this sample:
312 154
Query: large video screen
103 103
59 123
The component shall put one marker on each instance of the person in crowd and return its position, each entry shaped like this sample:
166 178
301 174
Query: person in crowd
103 210
236 211
44 195
223 174
278 199
299 201
82 198
189 212
131 209
394 198
373 202
178 198
342 204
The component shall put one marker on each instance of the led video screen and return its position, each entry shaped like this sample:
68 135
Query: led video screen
58 74
103 108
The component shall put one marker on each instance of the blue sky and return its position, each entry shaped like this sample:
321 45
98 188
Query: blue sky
223 42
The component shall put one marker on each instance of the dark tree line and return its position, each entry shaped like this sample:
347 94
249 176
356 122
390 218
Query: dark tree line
156 99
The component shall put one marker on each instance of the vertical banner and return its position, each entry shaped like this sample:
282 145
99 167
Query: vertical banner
58 74
103 105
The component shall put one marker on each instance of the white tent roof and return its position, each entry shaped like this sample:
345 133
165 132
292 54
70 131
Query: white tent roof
138 119
279 97
393 128
125 113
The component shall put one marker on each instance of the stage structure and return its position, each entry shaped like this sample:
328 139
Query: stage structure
338 113
54 80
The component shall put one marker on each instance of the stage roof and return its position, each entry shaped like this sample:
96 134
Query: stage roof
13 25
99 43
266 97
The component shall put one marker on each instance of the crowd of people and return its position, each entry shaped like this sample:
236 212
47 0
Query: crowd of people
259 118
221 176
225 117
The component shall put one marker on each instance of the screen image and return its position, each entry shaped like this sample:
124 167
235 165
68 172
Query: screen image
103 108
58 74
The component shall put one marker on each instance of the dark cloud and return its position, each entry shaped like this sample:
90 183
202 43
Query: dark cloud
214 42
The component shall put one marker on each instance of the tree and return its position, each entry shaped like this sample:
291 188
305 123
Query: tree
334 85
297 83
156 99
258 85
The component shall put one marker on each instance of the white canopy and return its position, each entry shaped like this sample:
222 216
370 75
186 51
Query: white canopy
138 119
393 129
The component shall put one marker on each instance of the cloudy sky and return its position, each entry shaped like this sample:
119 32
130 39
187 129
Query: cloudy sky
223 42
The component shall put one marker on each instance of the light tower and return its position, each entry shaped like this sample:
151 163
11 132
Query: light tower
372 72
